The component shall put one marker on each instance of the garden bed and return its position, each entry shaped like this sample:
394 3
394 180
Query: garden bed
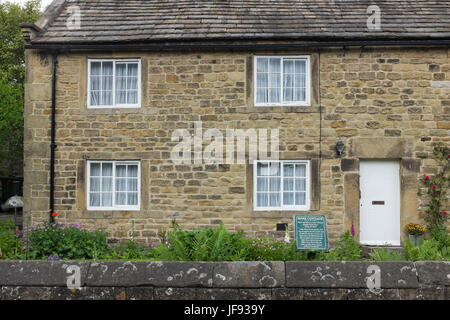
56 241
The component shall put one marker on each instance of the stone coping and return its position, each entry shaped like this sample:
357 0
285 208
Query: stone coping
269 274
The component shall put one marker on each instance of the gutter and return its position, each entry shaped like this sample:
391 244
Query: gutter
52 139
236 46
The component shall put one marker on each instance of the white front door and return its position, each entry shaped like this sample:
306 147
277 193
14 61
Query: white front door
380 202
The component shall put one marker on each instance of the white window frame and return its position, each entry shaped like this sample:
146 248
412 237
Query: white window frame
114 105
282 207
114 206
307 101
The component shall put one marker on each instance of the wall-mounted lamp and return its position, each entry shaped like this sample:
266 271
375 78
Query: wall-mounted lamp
340 147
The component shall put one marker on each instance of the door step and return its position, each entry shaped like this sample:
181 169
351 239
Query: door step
367 249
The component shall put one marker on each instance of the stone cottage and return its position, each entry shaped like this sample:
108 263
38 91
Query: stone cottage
358 92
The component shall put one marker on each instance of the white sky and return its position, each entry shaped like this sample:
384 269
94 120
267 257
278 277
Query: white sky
44 3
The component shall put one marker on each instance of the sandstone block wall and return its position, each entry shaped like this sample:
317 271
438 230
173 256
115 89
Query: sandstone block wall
382 102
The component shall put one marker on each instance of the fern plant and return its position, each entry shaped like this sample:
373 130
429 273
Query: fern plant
428 250
383 254
205 244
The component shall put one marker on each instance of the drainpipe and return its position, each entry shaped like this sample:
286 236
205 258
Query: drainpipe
52 143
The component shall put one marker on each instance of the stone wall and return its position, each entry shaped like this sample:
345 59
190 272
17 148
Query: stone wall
382 102
295 280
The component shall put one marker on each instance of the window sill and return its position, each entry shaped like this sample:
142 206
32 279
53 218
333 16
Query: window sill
283 109
113 209
278 213
112 110
111 214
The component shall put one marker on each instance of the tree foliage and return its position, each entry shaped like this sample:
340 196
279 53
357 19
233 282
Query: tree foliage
12 77
12 56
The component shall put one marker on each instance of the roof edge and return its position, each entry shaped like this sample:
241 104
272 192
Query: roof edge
50 14
235 45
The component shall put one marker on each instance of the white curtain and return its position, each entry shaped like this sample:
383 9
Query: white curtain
288 184
274 79
288 80
121 83
300 184
107 176
100 193
262 73
95 85
300 80
127 185
121 185
268 80
132 82
107 83
126 83
294 80
132 174
102 178
94 192
268 185
101 83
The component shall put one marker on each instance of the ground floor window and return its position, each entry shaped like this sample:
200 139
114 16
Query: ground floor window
281 185
113 185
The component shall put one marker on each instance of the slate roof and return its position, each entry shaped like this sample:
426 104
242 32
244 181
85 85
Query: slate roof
110 21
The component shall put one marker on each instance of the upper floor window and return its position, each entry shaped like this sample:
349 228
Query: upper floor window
114 83
281 185
282 81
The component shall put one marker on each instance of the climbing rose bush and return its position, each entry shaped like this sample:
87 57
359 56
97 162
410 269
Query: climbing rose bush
436 188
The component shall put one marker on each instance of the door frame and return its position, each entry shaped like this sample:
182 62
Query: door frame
380 148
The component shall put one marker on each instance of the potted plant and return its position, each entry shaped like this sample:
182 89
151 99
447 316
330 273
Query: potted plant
415 233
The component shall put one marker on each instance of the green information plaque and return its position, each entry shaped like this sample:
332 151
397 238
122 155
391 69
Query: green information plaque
311 232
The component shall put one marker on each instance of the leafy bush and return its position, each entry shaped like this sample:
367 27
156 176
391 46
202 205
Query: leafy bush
58 241
9 240
130 250
383 254
268 248
429 250
202 245
440 234
346 249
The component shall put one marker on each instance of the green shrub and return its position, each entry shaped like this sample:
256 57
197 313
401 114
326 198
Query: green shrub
383 254
202 245
429 250
441 236
265 247
346 249
130 250
58 241
9 240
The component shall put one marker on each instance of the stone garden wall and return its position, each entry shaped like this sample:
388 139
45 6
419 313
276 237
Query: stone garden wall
294 280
